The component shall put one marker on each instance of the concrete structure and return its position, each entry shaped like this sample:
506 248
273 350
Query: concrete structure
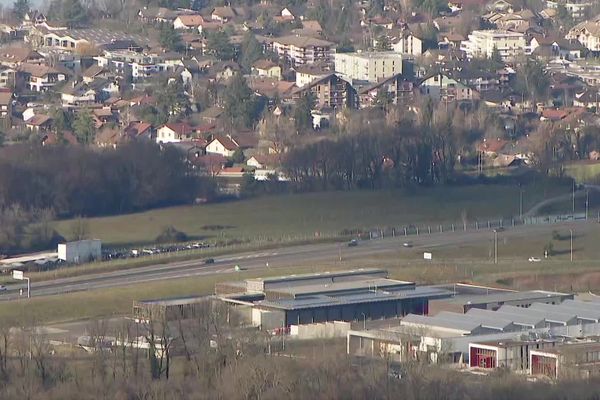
369 66
80 251
510 354
510 45
173 309
357 295
569 360
505 335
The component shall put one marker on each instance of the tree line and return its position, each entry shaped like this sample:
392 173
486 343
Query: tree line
82 181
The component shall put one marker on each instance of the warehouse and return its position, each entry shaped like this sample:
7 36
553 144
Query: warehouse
81 251
493 300
174 309
450 335
362 294
511 354
569 360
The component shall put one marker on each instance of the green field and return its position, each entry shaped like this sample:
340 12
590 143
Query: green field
306 216
584 172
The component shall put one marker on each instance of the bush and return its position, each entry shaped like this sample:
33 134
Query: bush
171 235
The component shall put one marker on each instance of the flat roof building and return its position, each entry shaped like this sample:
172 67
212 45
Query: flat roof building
362 294
368 66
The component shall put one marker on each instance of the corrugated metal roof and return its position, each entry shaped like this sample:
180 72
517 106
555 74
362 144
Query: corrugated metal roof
547 315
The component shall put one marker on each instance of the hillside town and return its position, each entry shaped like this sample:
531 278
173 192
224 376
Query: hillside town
235 88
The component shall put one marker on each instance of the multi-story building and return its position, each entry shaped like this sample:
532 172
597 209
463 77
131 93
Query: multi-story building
370 66
396 87
510 45
577 8
587 33
137 64
330 91
301 50
444 88
409 44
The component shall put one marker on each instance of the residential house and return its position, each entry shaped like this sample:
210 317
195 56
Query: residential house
510 45
450 40
222 145
330 91
548 47
153 15
303 50
589 98
140 130
39 78
311 28
7 77
6 99
212 114
94 72
64 137
109 137
39 123
587 33
224 14
409 44
270 161
398 89
285 16
443 88
14 56
232 172
173 133
480 80
271 88
188 21
266 68
368 66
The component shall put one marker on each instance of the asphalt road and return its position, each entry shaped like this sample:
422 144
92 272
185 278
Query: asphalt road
272 259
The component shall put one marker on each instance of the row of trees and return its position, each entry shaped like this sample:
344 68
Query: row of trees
82 181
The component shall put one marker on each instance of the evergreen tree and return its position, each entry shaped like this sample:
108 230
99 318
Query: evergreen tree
169 38
241 106
20 8
383 43
219 45
84 127
251 51
73 13
302 113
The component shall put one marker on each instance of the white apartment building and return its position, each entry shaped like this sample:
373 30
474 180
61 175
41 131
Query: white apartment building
577 8
370 66
409 44
301 50
510 45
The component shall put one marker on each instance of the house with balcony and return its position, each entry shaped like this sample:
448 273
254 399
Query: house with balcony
302 50
40 78
330 91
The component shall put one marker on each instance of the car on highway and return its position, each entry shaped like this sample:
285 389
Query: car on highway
3 288
353 243
407 244
534 259
209 261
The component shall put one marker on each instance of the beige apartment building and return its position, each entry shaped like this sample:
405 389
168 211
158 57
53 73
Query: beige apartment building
510 45
371 66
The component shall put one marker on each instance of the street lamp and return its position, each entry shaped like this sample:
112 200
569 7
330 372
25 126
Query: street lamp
571 231
364 321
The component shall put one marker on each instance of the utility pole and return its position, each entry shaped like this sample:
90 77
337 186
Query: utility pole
571 231
587 203
520 202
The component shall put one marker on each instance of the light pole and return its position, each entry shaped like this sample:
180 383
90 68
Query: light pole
364 321
587 203
571 231
495 246
573 196
520 203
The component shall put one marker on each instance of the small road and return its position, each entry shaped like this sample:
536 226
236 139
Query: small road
314 254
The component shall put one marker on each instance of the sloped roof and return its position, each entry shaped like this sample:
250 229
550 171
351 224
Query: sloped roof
226 142
191 20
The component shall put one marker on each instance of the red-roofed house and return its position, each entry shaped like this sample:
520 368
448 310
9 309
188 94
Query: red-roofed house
222 145
232 172
173 133
141 130
188 21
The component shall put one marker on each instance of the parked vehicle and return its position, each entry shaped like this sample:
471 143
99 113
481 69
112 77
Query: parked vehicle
534 259
353 243
209 261
3 288
407 244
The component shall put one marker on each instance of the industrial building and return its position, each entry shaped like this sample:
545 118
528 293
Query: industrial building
356 295
569 360
80 251
452 335
174 309
510 354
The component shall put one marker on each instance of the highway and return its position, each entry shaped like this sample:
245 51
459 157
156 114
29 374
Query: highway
314 254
